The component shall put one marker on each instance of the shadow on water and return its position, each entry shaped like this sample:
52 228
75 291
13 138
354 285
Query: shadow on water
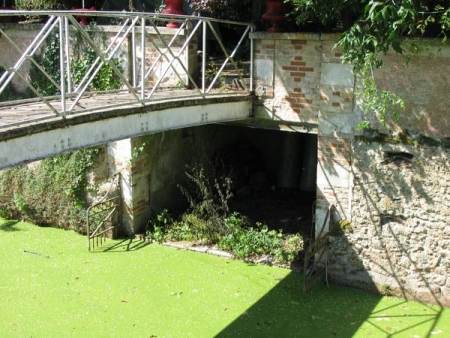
131 244
9 226
328 312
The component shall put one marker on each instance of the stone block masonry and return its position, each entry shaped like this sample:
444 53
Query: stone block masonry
393 190
400 242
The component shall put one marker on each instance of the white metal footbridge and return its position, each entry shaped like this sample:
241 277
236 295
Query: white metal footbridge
121 75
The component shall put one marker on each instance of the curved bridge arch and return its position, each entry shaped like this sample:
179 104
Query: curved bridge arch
51 137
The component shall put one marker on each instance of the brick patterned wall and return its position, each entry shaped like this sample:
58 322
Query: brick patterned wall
156 53
287 74
299 79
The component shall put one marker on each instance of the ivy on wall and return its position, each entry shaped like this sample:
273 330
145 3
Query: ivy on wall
82 58
49 192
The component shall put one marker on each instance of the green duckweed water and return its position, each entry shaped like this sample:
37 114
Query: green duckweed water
51 286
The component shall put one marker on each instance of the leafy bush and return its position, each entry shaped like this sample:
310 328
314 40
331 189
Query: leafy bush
240 239
49 192
208 197
85 56
245 242
48 59
210 220
38 4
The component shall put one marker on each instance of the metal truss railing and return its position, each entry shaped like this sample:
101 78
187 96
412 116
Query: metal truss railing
142 55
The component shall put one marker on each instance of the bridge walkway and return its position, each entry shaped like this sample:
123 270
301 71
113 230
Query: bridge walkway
151 65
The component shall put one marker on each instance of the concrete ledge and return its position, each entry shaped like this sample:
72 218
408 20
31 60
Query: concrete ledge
213 249
295 36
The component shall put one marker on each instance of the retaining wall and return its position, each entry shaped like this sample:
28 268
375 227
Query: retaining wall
391 182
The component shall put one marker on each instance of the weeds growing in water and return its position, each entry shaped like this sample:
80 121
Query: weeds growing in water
210 220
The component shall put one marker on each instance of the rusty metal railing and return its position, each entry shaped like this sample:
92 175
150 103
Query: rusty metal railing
313 271
102 215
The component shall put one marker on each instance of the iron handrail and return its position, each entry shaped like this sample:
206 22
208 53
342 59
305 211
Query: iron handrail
152 51
107 207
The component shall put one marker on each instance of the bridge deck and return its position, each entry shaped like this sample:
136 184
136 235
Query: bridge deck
25 117
31 139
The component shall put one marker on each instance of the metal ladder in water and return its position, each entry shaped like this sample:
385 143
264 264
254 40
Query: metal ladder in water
313 270
102 215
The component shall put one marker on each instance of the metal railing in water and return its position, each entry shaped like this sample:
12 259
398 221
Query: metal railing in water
142 55
102 215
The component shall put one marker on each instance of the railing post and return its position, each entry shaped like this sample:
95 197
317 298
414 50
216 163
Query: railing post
67 51
142 58
204 57
251 60
133 57
62 62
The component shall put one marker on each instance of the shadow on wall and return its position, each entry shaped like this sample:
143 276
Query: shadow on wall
329 312
398 242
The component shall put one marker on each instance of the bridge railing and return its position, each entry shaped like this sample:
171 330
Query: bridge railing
72 57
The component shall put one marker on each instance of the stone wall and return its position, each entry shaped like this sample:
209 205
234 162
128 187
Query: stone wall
400 237
392 182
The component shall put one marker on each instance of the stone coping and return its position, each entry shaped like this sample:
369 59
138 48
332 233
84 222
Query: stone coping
20 28
215 250
295 36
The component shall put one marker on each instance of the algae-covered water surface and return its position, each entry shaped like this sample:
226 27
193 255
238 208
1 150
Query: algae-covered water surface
51 286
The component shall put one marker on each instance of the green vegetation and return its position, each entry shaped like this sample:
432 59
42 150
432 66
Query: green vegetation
50 192
51 286
37 5
210 220
82 59
369 30
9 93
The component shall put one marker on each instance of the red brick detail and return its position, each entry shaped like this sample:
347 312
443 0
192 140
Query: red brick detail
299 42
338 54
337 93
297 79
298 74
289 99
306 69
289 68
270 46
298 58
297 105
305 100
298 63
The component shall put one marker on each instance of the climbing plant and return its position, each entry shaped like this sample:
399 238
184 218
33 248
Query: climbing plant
370 29
49 192
83 57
